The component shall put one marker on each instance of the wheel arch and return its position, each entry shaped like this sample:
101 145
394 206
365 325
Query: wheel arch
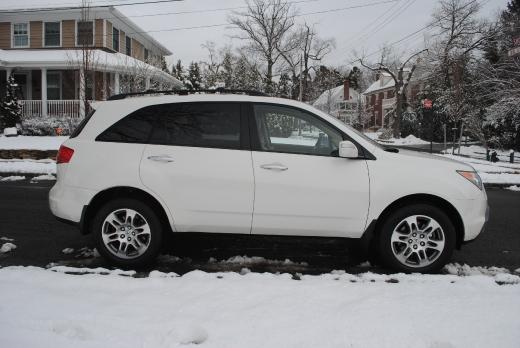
123 192
372 231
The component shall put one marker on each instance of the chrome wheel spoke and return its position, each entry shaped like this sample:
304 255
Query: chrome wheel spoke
417 241
126 233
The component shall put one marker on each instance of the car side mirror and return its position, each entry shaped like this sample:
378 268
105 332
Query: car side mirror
347 149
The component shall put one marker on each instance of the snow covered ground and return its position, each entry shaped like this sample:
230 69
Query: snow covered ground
31 142
102 308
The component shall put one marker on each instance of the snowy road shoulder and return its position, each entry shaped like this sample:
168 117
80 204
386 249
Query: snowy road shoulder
256 310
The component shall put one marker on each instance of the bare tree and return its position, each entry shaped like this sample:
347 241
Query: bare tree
401 74
265 25
303 52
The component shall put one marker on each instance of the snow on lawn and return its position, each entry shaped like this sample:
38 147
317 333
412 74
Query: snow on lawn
42 308
27 166
31 142
513 188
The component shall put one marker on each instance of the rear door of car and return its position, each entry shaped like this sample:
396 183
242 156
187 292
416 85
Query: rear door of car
198 161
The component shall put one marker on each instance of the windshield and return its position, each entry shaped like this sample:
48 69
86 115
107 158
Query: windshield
370 140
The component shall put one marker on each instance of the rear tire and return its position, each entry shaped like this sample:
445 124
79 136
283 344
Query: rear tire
127 233
416 238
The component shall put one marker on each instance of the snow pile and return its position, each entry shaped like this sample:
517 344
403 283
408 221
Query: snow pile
7 247
31 142
44 177
513 188
28 166
85 270
256 310
67 251
13 178
256 260
409 140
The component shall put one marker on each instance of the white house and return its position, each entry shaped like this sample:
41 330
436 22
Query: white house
342 102
44 51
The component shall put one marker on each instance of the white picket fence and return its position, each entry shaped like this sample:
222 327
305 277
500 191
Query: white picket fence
55 108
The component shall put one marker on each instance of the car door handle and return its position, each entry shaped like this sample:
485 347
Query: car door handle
161 158
274 166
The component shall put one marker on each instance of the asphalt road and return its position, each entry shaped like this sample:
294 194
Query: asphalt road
40 240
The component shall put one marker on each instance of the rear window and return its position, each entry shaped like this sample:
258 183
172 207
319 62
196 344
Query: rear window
82 124
198 124
134 128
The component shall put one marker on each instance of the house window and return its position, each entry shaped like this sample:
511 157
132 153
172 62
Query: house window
146 54
52 34
53 86
115 39
21 35
85 35
128 46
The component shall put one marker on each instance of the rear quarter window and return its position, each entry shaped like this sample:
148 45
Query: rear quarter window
134 128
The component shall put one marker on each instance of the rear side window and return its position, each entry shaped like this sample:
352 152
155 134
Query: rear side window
198 124
134 128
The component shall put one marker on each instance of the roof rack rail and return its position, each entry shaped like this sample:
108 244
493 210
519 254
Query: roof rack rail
187 92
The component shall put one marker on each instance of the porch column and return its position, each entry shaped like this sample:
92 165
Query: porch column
44 92
81 92
116 83
161 85
147 83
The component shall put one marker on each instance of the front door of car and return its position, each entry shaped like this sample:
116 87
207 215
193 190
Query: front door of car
302 187
199 163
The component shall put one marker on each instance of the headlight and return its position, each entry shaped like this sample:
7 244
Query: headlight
471 176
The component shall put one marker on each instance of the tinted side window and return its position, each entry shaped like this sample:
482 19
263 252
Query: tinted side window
199 125
134 128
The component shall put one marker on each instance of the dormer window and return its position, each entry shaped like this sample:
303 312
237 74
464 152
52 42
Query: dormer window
21 35
52 32
85 33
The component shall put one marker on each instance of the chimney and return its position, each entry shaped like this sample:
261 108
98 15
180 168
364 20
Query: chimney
346 90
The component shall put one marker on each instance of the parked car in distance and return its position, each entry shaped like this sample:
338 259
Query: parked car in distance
141 167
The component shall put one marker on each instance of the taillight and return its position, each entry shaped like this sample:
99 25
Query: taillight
64 154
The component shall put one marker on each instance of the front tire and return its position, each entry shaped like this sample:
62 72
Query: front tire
417 238
127 232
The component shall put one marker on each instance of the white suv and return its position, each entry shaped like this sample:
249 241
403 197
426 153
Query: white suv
141 167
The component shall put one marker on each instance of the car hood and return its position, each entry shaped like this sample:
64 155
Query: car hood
439 160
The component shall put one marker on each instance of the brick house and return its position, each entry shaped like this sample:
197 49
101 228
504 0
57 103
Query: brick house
380 98
43 50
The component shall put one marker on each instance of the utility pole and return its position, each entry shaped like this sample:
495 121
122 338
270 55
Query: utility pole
300 97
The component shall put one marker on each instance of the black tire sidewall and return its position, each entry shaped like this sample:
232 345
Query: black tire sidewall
388 226
156 231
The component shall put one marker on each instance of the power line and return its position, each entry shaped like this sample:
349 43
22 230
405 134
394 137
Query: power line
230 25
49 9
392 15
363 30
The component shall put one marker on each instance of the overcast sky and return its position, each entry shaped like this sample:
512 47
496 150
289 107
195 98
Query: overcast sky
365 28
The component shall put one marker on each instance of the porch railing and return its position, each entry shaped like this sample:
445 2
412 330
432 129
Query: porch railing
55 108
